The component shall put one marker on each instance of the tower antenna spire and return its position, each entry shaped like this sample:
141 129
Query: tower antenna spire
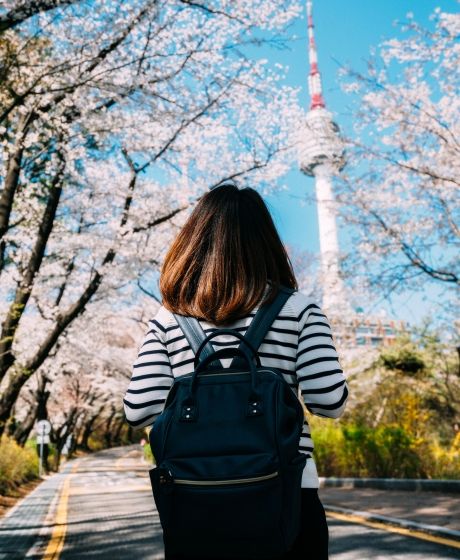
314 79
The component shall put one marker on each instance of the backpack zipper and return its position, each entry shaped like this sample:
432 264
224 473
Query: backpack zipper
225 482
234 373
226 373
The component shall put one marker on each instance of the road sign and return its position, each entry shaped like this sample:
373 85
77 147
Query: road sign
43 427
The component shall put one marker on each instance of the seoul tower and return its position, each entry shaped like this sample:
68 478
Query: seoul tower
321 156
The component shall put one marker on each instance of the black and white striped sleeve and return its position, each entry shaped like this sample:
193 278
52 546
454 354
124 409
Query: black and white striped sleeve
321 380
151 379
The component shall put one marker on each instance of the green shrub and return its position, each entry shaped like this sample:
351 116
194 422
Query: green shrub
387 451
32 445
406 359
329 445
384 452
96 443
444 462
17 465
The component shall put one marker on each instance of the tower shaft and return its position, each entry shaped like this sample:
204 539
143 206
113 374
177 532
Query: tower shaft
333 292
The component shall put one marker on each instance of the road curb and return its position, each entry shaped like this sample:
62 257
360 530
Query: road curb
405 484
435 530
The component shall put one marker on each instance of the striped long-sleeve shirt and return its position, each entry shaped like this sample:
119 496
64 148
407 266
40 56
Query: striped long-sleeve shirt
299 344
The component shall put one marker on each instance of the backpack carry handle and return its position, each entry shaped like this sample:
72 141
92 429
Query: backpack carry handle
236 334
189 407
225 353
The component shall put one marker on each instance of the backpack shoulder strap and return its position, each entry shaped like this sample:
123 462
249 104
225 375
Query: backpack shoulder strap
263 320
255 334
194 334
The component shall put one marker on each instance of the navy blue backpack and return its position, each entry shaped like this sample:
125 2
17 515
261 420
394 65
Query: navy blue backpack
228 475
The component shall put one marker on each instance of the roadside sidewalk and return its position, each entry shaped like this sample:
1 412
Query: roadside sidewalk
26 522
430 512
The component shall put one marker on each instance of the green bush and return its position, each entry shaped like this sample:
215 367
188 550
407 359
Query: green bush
17 465
384 452
401 416
406 359
387 451
329 446
32 445
444 462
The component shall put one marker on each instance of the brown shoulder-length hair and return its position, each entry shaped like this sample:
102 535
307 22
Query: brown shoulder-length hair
219 265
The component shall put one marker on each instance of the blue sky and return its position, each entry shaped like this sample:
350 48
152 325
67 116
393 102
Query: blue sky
345 33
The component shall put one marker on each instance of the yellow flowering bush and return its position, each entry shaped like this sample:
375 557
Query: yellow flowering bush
17 465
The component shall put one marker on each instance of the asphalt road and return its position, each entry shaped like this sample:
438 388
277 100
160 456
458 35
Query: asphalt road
356 542
104 510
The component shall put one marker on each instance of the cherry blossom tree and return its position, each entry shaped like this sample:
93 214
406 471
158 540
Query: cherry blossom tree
114 118
400 191
85 376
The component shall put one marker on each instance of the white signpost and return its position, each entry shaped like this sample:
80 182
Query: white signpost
43 429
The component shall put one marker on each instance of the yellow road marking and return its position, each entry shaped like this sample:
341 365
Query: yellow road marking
56 542
393 529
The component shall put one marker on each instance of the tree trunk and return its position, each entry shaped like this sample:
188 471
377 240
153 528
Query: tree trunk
22 431
108 434
117 432
88 428
11 183
17 308
37 412
10 394
62 434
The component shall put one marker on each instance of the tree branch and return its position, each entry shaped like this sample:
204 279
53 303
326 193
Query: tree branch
11 183
414 258
211 11
86 74
28 9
